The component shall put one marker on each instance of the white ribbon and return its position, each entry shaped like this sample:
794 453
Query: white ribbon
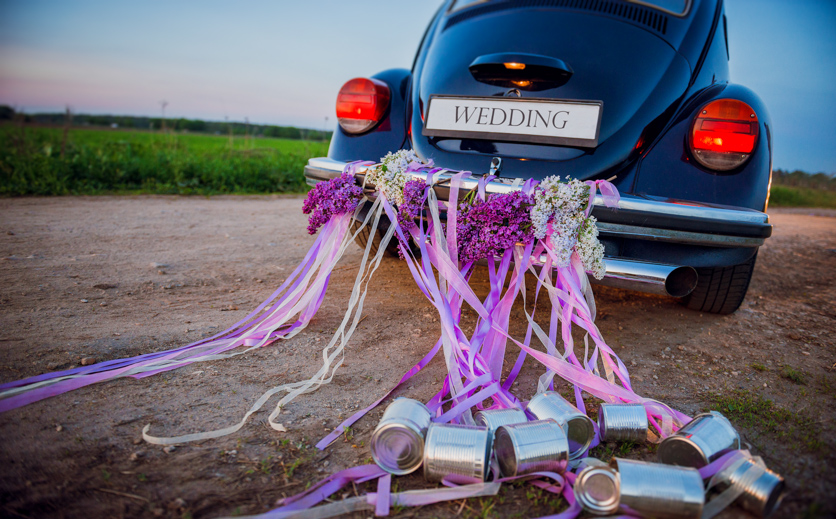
756 469
330 363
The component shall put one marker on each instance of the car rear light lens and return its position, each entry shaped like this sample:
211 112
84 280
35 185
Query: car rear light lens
724 134
361 104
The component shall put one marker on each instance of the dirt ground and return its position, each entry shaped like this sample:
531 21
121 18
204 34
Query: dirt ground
110 277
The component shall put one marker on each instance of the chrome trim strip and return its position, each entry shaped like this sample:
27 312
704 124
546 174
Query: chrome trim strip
329 168
669 235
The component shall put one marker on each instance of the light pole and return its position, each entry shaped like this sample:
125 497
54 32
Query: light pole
163 104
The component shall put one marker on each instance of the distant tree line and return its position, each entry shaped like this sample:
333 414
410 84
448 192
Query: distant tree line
798 178
178 124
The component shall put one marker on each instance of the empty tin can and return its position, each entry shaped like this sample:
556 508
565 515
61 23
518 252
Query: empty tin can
579 428
701 441
598 490
761 496
463 450
495 418
622 422
398 440
657 490
531 447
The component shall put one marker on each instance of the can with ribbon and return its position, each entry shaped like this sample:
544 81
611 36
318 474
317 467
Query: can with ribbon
463 450
397 443
598 490
622 422
761 490
579 428
531 447
699 442
495 418
657 490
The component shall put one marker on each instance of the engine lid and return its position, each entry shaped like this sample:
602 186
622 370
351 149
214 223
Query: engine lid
633 74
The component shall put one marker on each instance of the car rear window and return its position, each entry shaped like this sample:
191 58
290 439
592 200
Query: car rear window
675 7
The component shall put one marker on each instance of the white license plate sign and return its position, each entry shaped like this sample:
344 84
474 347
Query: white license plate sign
542 121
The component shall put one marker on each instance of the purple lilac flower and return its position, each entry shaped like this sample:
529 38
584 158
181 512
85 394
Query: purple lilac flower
410 209
337 196
486 229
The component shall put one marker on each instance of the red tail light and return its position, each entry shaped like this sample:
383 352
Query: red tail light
724 134
361 104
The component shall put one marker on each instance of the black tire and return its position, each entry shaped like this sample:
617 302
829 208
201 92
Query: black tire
362 239
721 290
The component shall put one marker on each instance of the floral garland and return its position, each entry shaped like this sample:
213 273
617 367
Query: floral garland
413 203
389 176
561 216
557 213
487 228
338 196
590 250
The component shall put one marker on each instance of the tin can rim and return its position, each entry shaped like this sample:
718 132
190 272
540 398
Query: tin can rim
502 433
599 508
776 491
402 424
664 447
590 424
602 423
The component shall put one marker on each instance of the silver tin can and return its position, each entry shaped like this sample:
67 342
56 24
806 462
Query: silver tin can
598 490
493 419
622 422
579 428
531 447
657 490
463 450
398 440
701 441
761 496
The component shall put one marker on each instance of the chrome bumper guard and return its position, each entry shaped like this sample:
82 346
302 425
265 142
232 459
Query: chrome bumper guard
640 218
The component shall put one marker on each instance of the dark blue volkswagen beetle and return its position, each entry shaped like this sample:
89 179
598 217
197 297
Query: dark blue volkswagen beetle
637 91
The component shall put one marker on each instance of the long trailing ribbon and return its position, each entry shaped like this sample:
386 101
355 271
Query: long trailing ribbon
470 359
22 392
474 362
478 360
302 506
302 297
332 355
720 472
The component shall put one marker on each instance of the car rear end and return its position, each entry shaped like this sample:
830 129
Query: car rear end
593 90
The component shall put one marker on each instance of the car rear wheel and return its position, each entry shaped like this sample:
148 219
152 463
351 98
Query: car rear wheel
721 290
365 235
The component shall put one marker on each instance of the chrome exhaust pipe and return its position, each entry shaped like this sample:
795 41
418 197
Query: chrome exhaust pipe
651 278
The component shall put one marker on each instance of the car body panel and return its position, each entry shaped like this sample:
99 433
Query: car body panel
389 135
668 169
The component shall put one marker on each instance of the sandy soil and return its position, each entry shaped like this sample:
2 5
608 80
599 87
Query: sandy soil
102 278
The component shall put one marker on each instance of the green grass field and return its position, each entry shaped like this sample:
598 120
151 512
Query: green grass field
103 161
791 196
98 161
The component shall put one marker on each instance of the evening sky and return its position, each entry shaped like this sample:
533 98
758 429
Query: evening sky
282 62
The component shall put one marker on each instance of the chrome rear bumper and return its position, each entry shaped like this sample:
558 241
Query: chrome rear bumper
637 218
